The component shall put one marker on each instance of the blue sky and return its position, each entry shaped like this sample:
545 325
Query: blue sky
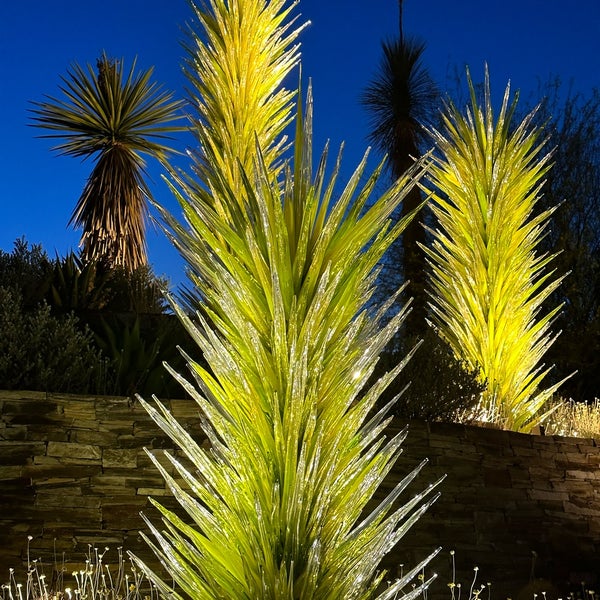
524 41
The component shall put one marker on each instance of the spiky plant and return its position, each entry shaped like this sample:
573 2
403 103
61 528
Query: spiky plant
115 118
488 283
403 101
276 508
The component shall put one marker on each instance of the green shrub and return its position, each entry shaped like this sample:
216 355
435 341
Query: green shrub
434 385
39 351
28 269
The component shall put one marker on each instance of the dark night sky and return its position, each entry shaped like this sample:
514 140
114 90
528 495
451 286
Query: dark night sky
525 41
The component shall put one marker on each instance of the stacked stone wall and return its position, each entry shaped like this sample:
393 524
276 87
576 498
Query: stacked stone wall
74 473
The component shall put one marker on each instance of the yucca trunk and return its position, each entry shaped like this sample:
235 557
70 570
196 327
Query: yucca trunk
488 283
283 273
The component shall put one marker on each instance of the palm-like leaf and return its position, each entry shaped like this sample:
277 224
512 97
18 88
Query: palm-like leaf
115 119
236 72
403 102
488 283
284 271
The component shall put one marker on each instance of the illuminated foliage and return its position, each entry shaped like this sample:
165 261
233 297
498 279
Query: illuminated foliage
488 281
284 270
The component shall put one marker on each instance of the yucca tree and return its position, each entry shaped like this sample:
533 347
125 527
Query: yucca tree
283 272
488 282
403 102
116 118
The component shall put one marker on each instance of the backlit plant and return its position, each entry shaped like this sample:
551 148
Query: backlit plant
283 271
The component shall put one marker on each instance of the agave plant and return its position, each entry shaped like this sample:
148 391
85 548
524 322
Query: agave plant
488 283
284 270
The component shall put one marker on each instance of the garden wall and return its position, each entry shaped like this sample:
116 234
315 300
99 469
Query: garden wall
73 472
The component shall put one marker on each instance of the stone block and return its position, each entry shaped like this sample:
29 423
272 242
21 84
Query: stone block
23 396
582 489
70 516
146 463
71 497
124 516
120 458
19 452
567 444
553 495
526 451
77 411
496 478
593 458
48 433
11 472
573 460
74 451
185 409
44 472
581 473
124 481
118 427
154 492
105 439
538 470
13 433
29 409
571 508
451 446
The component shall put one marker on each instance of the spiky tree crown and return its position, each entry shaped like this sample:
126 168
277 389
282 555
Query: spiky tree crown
117 119
283 272
488 283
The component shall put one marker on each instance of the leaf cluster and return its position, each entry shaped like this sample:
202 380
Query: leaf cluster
488 281
39 351
116 118
284 269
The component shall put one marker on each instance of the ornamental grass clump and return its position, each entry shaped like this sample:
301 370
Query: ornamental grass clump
488 282
98 579
574 419
283 271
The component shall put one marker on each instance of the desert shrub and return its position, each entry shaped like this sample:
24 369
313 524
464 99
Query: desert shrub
86 287
77 286
39 351
135 347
